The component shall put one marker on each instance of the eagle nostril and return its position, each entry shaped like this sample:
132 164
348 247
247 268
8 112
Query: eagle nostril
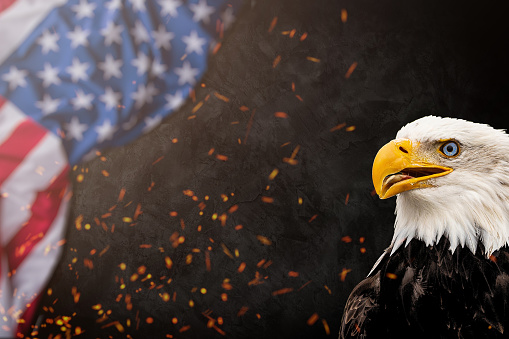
402 149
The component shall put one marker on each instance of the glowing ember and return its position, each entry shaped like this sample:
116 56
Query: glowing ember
312 320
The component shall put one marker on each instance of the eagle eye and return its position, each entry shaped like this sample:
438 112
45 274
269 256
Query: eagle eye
450 148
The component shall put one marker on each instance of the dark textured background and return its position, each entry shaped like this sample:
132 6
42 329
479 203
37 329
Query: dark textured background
414 58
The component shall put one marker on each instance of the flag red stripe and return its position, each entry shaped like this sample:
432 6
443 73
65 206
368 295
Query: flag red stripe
44 210
12 152
2 99
28 317
4 4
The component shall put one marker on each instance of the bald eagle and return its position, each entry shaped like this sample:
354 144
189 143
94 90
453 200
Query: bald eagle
445 273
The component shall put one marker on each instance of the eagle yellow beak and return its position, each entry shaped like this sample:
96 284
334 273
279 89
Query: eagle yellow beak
398 168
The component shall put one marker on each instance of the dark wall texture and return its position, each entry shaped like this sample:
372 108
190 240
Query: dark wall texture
264 256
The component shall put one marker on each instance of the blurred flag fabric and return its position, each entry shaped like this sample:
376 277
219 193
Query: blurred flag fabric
76 77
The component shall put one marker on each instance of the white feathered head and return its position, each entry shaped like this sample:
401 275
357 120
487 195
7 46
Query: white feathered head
452 179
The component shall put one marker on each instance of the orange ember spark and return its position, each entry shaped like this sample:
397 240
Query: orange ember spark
158 159
78 222
197 107
264 240
350 70
273 174
338 127
293 274
344 15
242 311
347 198
138 211
313 59
282 291
221 157
282 115
267 264
88 263
346 239
273 24
391 276
249 125
226 251
185 328
216 48
343 273
221 97
242 267
312 319
207 261
303 37
267 200
276 61
326 327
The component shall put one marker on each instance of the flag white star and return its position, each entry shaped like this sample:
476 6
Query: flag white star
78 37
111 33
162 37
82 100
194 43
111 67
140 33
169 7
48 105
201 11
110 98
84 9
105 131
15 77
78 70
144 94
142 63
228 17
138 5
75 129
158 69
113 5
174 101
49 75
48 42
151 123
187 74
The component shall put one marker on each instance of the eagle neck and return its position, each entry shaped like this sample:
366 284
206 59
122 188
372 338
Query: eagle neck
463 224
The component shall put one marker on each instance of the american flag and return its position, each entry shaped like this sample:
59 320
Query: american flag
76 77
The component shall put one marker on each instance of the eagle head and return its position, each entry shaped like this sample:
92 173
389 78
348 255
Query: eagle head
451 178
